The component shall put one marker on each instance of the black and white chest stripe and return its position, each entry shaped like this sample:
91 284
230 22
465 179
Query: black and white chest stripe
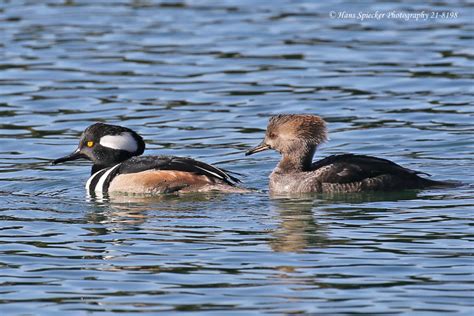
99 182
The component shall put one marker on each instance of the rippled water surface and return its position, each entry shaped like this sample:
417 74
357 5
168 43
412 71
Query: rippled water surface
199 79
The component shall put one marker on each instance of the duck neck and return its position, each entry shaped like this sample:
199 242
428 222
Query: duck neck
98 167
297 160
112 158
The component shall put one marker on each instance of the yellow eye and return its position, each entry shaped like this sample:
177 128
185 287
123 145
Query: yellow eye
90 143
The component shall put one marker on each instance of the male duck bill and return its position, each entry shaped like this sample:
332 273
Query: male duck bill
296 138
114 151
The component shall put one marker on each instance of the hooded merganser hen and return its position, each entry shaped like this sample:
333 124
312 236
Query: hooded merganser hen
296 138
113 150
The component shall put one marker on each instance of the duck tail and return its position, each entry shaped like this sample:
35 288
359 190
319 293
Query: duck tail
428 183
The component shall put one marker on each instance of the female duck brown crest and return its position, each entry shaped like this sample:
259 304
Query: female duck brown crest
292 132
310 128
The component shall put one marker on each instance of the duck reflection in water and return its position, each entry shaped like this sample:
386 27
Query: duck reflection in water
299 230
129 210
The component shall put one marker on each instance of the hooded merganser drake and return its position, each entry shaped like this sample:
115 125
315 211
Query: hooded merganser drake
113 150
296 138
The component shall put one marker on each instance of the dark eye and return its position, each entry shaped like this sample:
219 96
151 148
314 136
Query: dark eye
272 135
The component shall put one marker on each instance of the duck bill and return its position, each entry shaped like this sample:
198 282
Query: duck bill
73 156
260 147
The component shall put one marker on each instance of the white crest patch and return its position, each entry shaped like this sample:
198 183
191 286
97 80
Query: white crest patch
123 141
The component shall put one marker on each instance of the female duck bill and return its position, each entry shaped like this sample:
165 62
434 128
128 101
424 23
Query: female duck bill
260 147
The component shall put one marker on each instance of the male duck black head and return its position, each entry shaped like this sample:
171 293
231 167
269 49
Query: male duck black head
116 169
106 145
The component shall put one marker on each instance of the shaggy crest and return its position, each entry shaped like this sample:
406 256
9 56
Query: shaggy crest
310 128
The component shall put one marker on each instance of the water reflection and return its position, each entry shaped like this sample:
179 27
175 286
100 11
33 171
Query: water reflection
332 198
134 209
298 229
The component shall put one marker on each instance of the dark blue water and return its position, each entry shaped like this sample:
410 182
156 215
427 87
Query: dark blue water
200 79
